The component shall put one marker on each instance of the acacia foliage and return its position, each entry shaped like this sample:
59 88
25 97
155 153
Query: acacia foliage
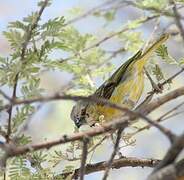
82 56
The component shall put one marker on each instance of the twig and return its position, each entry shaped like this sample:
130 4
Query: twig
141 106
165 11
4 175
155 87
89 12
31 29
22 58
147 109
172 115
116 164
152 106
11 107
116 146
173 171
177 19
84 157
162 100
110 36
172 77
95 131
161 118
172 153
169 134
155 104
16 151
116 34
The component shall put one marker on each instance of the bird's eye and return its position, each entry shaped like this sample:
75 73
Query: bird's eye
83 112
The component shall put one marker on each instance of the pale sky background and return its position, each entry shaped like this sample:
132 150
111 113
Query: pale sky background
53 119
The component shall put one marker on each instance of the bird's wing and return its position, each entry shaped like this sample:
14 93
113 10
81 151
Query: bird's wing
107 88
139 59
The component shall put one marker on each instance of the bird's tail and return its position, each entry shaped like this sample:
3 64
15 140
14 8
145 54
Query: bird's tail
149 51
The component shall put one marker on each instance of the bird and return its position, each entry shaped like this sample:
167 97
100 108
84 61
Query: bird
124 87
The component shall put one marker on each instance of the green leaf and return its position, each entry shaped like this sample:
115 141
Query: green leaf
18 169
15 38
163 53
158 72
18 25
23 140
31 18
53 27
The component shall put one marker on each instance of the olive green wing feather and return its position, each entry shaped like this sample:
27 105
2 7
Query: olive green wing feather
107 88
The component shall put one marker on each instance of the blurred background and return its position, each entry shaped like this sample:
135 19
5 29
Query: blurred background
53 119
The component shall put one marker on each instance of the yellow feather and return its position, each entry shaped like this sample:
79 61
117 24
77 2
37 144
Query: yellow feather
124 88
129 90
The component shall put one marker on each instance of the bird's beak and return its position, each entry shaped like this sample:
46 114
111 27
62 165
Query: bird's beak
79 122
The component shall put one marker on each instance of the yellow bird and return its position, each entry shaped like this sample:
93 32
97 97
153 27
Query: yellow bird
124 88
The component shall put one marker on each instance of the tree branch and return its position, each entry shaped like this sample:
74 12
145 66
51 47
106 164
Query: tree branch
173 171
28 36
84 157
110 36
116 164
11 107
177 19
152 106
163 99
109 163
160 86
160 119
89 12
97 130
172 153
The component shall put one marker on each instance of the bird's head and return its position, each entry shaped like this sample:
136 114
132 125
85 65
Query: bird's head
82 114
78 113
